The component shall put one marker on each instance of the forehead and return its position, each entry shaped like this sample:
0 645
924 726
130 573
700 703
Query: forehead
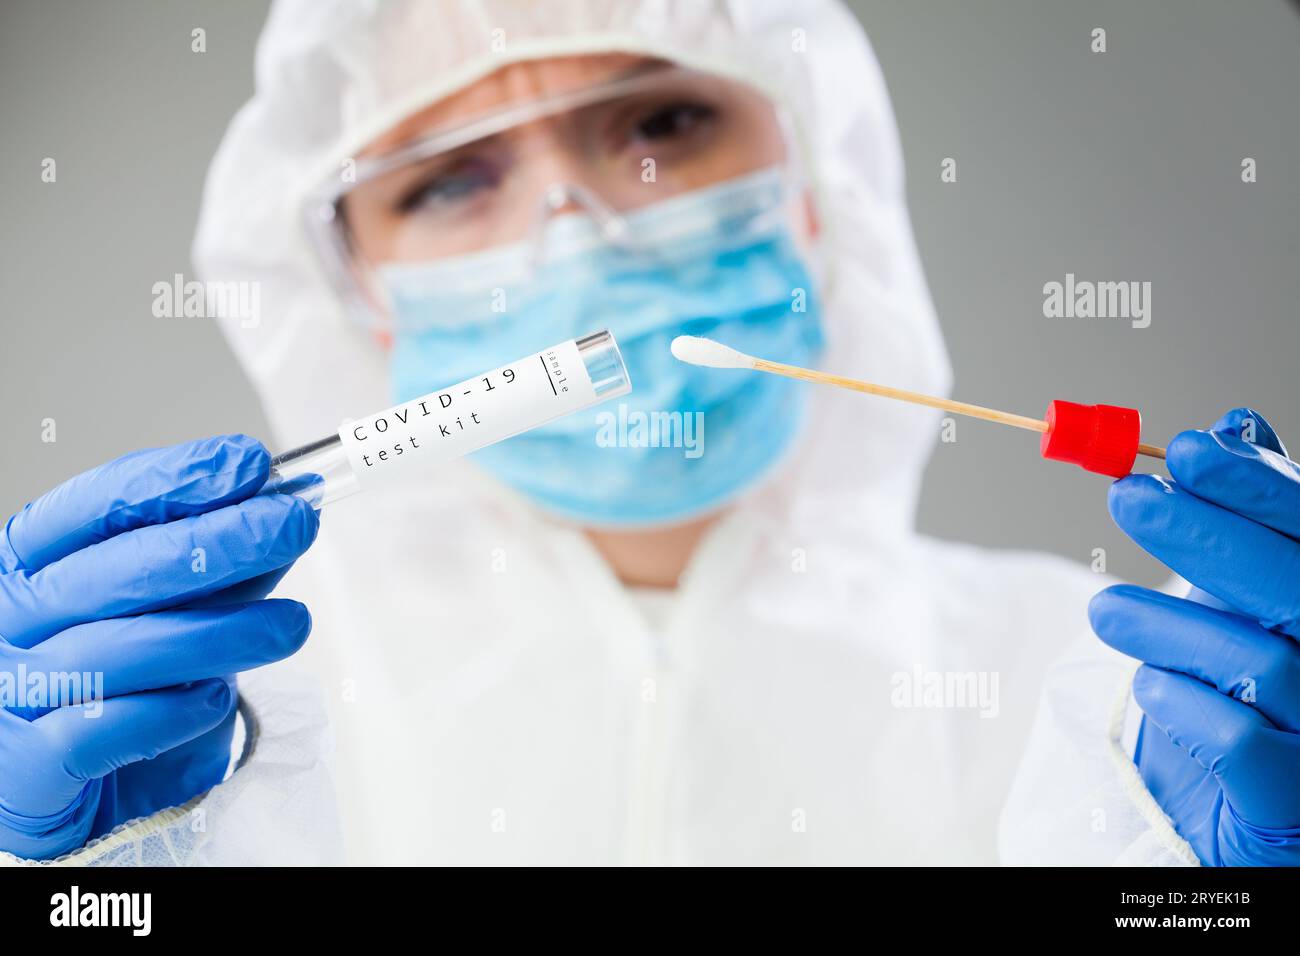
513 83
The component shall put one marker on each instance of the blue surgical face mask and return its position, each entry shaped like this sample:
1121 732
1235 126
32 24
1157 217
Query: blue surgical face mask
719 262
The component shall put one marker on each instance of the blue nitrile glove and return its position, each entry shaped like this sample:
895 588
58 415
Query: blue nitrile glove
1220 741
149 571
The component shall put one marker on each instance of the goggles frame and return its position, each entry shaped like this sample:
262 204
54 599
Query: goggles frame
364 300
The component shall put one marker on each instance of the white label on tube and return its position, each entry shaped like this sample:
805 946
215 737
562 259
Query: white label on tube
470 415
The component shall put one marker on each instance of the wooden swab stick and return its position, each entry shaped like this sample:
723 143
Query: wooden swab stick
1151 451
701 351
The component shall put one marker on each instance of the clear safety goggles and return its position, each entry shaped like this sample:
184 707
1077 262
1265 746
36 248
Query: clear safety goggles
499 178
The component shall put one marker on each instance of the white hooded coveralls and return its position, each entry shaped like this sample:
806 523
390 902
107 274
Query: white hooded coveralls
496 695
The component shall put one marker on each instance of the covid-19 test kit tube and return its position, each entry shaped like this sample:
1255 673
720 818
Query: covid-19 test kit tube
453 421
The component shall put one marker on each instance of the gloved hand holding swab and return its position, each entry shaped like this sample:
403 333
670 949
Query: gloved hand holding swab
1105 439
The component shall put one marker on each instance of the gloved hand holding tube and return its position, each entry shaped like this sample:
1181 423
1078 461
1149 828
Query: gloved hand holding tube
128 595
130 592
1219 746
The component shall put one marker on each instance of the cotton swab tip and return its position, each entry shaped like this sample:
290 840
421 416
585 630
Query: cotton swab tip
694 350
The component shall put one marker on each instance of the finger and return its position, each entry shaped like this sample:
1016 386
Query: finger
72 745
254 589
147 786
1243 478
143 488
1256 764
156 567
1249 425
1236 560
1232 653
127 655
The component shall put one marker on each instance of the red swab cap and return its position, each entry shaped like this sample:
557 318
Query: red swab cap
1099 438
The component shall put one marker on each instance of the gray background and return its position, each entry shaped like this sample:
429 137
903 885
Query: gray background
1114 166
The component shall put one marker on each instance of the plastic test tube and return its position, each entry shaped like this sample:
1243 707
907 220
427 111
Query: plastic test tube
453 421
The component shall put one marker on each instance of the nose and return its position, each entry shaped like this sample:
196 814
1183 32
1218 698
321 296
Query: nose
564 198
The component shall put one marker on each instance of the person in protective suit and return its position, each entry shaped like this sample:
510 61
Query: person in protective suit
561 650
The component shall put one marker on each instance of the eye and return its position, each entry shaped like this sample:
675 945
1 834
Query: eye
673 120
449 186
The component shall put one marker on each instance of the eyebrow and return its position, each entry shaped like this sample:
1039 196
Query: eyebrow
643 66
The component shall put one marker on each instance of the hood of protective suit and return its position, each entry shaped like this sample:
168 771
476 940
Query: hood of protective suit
331 76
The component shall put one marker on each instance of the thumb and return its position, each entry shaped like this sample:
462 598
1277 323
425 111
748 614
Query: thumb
1257 765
